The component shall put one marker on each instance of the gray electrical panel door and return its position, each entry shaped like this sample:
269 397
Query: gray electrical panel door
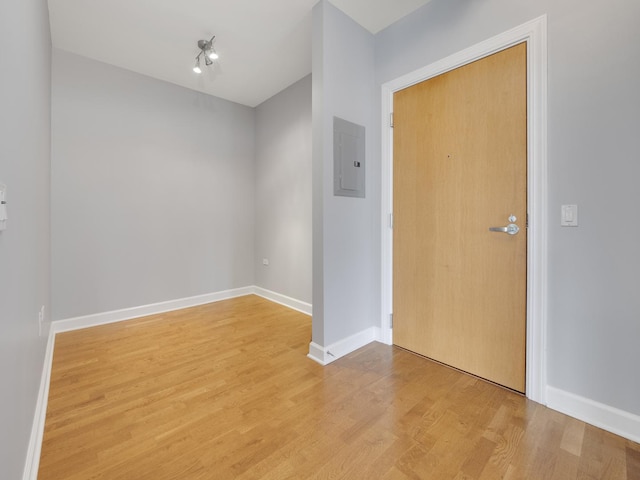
348 158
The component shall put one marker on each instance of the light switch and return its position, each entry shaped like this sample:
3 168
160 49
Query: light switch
569 216
3 207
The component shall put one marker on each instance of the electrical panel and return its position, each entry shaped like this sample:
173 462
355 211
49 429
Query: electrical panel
348 158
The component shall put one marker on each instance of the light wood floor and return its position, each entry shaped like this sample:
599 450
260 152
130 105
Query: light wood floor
226 391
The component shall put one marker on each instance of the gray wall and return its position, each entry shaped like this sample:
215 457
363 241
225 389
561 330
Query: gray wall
317 173
152 190
594 73
25 85
346 231
283 192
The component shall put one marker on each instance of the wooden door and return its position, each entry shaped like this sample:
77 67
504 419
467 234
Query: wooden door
459 168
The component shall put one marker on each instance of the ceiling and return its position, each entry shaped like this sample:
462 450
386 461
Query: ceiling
264 45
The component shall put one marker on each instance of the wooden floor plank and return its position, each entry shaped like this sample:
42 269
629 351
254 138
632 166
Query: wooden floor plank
633 462
225 391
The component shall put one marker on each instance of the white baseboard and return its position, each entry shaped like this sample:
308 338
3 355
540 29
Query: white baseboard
316 353
103 318
292 303
326 355
608 418
37 430
94 320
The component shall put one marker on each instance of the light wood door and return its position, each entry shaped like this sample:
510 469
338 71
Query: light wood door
460 167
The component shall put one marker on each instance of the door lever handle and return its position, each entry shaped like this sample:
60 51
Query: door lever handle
510 229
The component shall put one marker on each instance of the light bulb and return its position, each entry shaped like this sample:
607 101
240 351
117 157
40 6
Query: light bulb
213 55
197 68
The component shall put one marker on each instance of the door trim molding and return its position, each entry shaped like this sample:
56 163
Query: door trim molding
535 34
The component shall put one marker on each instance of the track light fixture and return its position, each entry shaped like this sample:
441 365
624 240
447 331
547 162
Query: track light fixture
207 52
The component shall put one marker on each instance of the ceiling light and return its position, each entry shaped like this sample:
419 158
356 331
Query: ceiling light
207 52
196 67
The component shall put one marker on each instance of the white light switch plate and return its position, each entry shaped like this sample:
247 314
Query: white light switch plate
569 216
3 207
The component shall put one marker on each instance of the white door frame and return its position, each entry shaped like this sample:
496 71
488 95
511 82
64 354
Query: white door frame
535 34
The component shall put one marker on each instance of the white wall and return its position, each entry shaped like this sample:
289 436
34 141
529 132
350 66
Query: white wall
594 73
152 190
283 192
25 85
346 232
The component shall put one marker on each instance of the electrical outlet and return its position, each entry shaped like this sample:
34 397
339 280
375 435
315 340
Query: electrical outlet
265 261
